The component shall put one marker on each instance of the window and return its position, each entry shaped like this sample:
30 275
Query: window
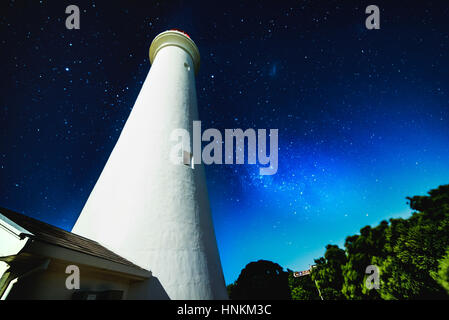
188 159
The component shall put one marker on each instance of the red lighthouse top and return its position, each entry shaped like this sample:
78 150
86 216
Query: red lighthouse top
183 32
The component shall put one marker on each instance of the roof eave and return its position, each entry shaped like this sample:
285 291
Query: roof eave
37 247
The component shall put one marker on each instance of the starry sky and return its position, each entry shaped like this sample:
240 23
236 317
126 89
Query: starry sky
363 115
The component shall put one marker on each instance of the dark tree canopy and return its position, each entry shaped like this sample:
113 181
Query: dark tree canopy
264 280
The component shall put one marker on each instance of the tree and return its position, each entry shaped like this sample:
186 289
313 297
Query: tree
408 253
328 273
263 280
412 256
442 276
361 250
414 247
230 289
302 288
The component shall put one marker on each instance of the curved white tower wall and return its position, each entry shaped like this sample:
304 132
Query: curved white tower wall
147 209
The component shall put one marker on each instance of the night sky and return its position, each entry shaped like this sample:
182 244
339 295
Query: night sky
363 115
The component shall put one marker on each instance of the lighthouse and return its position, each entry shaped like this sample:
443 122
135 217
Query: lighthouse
146 208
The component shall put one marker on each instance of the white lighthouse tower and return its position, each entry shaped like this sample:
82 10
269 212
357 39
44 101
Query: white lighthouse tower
146 208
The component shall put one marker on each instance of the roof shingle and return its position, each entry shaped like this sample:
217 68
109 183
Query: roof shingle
45 232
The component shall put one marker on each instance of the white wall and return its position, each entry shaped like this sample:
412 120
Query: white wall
149 210
50 284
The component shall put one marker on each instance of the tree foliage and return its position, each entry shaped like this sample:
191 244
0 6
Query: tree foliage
261 280
414 247
361 251
411 255
442 276
302 288
328 275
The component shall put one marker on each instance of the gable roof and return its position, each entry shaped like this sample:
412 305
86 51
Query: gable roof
50 234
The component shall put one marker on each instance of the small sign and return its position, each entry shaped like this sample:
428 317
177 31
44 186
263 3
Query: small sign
298 274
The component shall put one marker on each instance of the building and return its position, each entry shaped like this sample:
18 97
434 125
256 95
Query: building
34 256
298 274
145 212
